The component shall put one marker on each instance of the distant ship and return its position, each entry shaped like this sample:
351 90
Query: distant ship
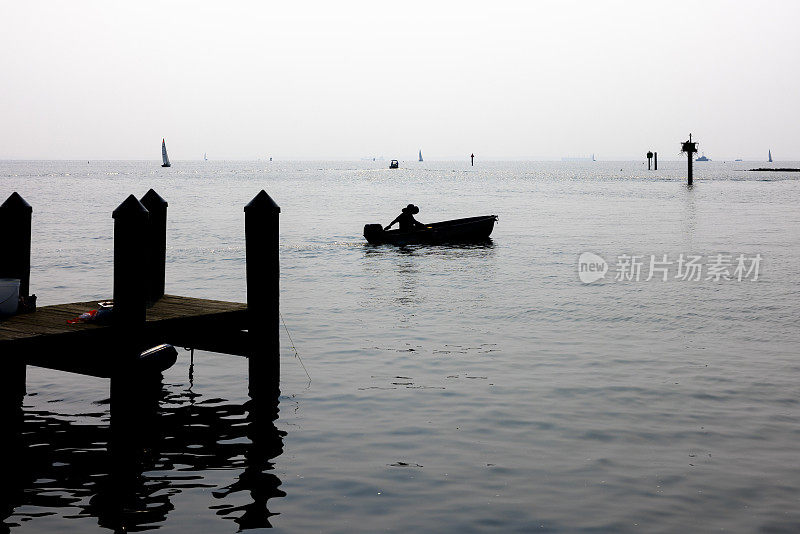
205 156
770 155
703 158
164 156
740 159
420 154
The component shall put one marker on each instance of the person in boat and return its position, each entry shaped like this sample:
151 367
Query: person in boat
406 219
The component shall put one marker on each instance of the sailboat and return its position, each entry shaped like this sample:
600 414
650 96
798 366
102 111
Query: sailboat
420 154
164 156
205 156
770 155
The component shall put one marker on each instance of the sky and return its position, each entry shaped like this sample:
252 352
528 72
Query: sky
346 80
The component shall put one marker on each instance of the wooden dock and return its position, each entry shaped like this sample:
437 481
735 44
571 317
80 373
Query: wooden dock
143 316
45 338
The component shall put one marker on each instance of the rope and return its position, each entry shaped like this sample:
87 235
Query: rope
297 354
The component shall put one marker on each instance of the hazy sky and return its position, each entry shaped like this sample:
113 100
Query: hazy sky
514 80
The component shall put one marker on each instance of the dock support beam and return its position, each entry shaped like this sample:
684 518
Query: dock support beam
655 161
261 223
156 255
649 157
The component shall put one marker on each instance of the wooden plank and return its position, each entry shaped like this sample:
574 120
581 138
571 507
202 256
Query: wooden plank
44 338
50 320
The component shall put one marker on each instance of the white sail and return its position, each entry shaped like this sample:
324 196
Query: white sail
164 156
420 154
770 156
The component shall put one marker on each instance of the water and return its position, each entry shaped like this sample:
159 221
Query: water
453 388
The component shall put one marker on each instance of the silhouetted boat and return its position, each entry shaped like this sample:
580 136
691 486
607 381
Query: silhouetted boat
472 229
164 156
703 158
393 164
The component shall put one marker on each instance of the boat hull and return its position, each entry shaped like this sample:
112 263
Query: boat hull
472 229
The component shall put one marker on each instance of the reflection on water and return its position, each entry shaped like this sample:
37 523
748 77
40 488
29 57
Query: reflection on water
409 263
447 249
690 217
127 473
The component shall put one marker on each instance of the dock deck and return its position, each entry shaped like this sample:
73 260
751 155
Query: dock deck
44 338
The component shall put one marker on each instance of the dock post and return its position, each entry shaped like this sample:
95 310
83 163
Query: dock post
130 309
15 262
261 222
130 232
690 148
472 160
655 161
649 157
156 246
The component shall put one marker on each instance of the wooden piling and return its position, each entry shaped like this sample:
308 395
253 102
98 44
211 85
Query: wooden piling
261 223
649 157
156 245
472 159
15 260
130 232
655 161
690 148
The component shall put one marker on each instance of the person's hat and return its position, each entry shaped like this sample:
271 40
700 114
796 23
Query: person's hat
411 208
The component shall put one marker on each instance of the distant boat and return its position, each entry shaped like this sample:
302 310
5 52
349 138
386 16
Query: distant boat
164 156
703 158
205 156
770 155
738 159
420 154
593 158
393 164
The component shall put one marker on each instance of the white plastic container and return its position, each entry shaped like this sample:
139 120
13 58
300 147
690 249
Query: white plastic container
9 295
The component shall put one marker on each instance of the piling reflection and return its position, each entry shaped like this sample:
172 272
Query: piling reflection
126 471
689 218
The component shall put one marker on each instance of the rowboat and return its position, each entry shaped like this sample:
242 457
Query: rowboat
471 229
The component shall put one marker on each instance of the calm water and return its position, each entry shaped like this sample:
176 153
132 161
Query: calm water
453 388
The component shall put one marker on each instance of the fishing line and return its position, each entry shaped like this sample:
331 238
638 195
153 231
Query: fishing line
297 354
